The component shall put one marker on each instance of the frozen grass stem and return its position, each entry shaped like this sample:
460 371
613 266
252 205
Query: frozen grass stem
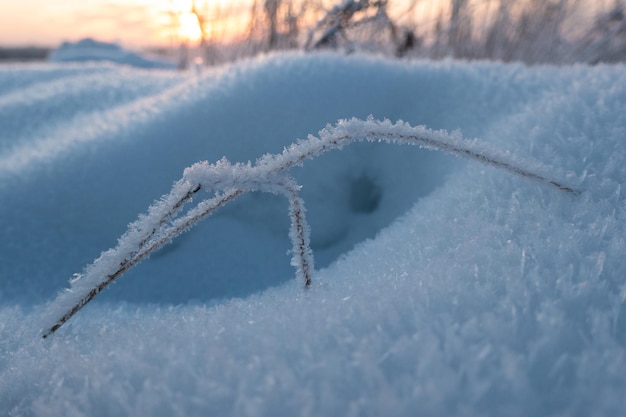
163 222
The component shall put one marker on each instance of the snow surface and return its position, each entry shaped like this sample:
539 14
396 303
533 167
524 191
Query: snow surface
88 49
478 293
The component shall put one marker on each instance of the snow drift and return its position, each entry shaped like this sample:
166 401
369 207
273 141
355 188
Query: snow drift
87 50
478 294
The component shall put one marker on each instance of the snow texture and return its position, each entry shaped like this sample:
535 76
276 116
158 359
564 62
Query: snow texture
88 49
445 287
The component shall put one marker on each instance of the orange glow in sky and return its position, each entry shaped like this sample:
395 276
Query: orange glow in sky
142 23
130 22
188 28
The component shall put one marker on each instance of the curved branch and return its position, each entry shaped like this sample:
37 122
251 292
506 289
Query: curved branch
161 224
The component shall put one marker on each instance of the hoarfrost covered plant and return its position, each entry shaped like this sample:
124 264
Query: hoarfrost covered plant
270 173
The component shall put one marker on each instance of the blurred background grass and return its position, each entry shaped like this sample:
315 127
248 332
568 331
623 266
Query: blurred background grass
212 32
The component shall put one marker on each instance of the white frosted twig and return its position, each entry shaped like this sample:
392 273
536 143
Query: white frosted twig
346 132
163 222
299 233
114 262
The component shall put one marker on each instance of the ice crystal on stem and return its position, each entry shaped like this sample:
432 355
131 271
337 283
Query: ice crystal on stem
164 220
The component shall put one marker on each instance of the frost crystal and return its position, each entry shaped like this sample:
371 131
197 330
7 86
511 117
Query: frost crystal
269 174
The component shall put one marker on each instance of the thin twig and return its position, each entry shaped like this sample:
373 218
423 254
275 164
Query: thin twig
299 232
153 231
204 209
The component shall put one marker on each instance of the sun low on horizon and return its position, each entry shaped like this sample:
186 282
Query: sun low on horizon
178 22
188 27
137 23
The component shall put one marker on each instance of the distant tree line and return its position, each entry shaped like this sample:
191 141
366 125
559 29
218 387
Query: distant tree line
23 54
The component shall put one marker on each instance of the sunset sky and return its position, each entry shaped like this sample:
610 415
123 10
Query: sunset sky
147 23
130 22
135 23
